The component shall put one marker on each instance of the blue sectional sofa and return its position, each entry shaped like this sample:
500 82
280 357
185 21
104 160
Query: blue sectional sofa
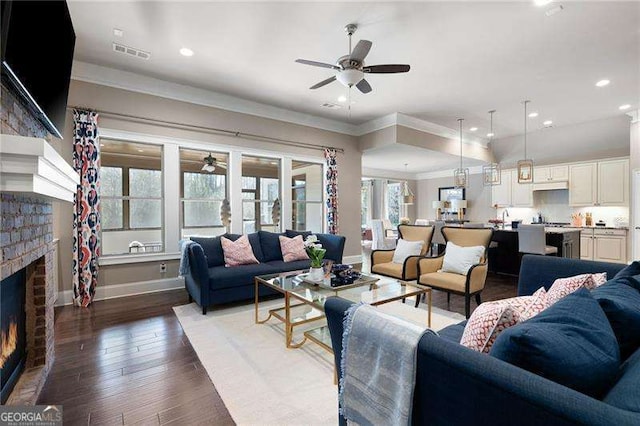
458 386
209 282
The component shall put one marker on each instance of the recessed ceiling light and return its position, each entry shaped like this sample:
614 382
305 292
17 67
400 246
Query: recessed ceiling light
541 3
490 135
140 150
547 123
101 144
603 82
533 114
185 51
473 129
624 107
342 98
118 32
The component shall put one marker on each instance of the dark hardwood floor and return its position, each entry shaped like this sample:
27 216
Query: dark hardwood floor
126 361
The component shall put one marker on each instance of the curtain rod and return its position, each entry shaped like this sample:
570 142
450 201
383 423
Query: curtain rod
205 129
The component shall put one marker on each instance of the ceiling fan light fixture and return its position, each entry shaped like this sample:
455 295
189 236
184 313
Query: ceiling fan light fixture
349 77
209 164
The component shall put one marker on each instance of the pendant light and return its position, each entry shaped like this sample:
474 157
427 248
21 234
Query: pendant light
407 195
491 172
460 175
525 167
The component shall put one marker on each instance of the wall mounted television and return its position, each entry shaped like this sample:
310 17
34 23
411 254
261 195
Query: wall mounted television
37 54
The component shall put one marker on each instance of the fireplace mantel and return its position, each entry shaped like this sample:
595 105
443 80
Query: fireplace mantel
31 166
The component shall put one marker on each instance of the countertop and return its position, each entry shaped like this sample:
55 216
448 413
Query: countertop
547 229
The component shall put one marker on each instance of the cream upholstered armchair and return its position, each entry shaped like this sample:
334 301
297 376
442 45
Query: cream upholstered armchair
468 285
382 260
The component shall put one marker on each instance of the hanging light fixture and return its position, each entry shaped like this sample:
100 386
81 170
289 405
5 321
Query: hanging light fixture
460 175
407 195
525 167
491 171
209 164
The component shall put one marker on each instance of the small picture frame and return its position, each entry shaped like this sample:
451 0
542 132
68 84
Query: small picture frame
525 171
491 174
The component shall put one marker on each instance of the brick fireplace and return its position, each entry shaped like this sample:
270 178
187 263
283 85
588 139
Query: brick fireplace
26 242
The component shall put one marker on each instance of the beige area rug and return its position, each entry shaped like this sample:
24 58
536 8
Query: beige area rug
259 379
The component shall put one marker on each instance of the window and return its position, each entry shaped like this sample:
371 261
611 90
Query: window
203 193
366 186
261 208
306 196
393 202
131 197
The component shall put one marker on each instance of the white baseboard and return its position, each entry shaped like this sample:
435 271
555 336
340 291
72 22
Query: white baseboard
350 260
123 290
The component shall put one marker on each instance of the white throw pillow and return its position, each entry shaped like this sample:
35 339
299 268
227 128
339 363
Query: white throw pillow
460 259
405 249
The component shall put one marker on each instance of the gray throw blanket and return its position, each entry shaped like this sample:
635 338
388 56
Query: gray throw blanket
378 367
184 257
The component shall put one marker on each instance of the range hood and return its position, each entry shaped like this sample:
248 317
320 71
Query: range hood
32 167
550 186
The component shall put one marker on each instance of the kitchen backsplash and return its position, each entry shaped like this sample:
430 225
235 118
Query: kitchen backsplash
554 207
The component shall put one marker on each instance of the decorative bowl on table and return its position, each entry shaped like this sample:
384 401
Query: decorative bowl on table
343 275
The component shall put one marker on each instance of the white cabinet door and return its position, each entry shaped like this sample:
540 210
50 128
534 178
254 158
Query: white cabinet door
582 184
521 193
613 183
501 194
586 247
559 173
610 249
541 174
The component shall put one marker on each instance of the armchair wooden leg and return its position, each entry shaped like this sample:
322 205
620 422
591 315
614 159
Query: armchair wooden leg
448 299
418 297
467 305
204 310
190 299
478 299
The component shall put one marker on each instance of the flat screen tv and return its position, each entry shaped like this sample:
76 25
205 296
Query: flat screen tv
37 54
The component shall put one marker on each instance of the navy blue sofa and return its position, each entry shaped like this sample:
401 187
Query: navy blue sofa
209 282
458 386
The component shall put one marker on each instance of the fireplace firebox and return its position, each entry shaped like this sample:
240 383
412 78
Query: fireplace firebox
13 337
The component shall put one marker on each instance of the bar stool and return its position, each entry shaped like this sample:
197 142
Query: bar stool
532 240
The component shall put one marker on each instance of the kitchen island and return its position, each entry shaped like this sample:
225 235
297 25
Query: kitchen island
504 256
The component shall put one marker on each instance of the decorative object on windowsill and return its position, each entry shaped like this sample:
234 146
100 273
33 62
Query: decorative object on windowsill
316 254
405 221
525 167
460 175
439 206
225 213
275 212
209 164
459 206
407 195
491 171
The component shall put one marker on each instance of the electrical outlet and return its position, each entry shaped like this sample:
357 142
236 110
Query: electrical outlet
163 268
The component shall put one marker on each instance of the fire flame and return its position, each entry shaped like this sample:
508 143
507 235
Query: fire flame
8 343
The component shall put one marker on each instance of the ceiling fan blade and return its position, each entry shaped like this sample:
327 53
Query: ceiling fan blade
386 69
364 86
323 82
360 51
317 64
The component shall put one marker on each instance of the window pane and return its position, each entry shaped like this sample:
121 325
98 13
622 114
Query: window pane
145 183
248 210
111 214
111 181
269 189
145 213
266 209
248 182
308 176
199 185
202 213
308 216
393 203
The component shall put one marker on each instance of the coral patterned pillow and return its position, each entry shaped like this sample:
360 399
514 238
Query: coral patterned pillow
528 306
238 252
564 286
486 323
293 248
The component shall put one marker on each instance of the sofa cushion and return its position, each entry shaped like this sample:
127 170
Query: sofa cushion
487 322
459 260
453 333
222 277
212 248
293 233
405 248
296 265
446 280
564 286
270 243
571 343
389 269
238 252
621 304
624 394
292 248
333 244
630 270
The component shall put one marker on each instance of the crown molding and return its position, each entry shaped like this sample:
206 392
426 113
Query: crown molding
387 174
435 129
446 173
111 77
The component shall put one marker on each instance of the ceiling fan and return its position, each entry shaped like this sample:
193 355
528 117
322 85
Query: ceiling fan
350 69
210 164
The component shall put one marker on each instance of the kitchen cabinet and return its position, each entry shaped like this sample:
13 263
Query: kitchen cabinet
605 183
605 245
510 193
586 244
545 174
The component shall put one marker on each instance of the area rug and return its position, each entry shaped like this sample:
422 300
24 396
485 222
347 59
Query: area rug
258 378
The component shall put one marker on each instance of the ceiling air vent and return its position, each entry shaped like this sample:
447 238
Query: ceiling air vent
330 105
120 48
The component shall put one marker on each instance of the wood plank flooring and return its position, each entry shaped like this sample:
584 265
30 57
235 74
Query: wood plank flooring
127 361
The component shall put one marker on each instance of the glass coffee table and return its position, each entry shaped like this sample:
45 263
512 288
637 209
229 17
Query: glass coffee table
304 301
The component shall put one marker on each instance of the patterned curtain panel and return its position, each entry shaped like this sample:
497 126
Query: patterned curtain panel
86 214
332 190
